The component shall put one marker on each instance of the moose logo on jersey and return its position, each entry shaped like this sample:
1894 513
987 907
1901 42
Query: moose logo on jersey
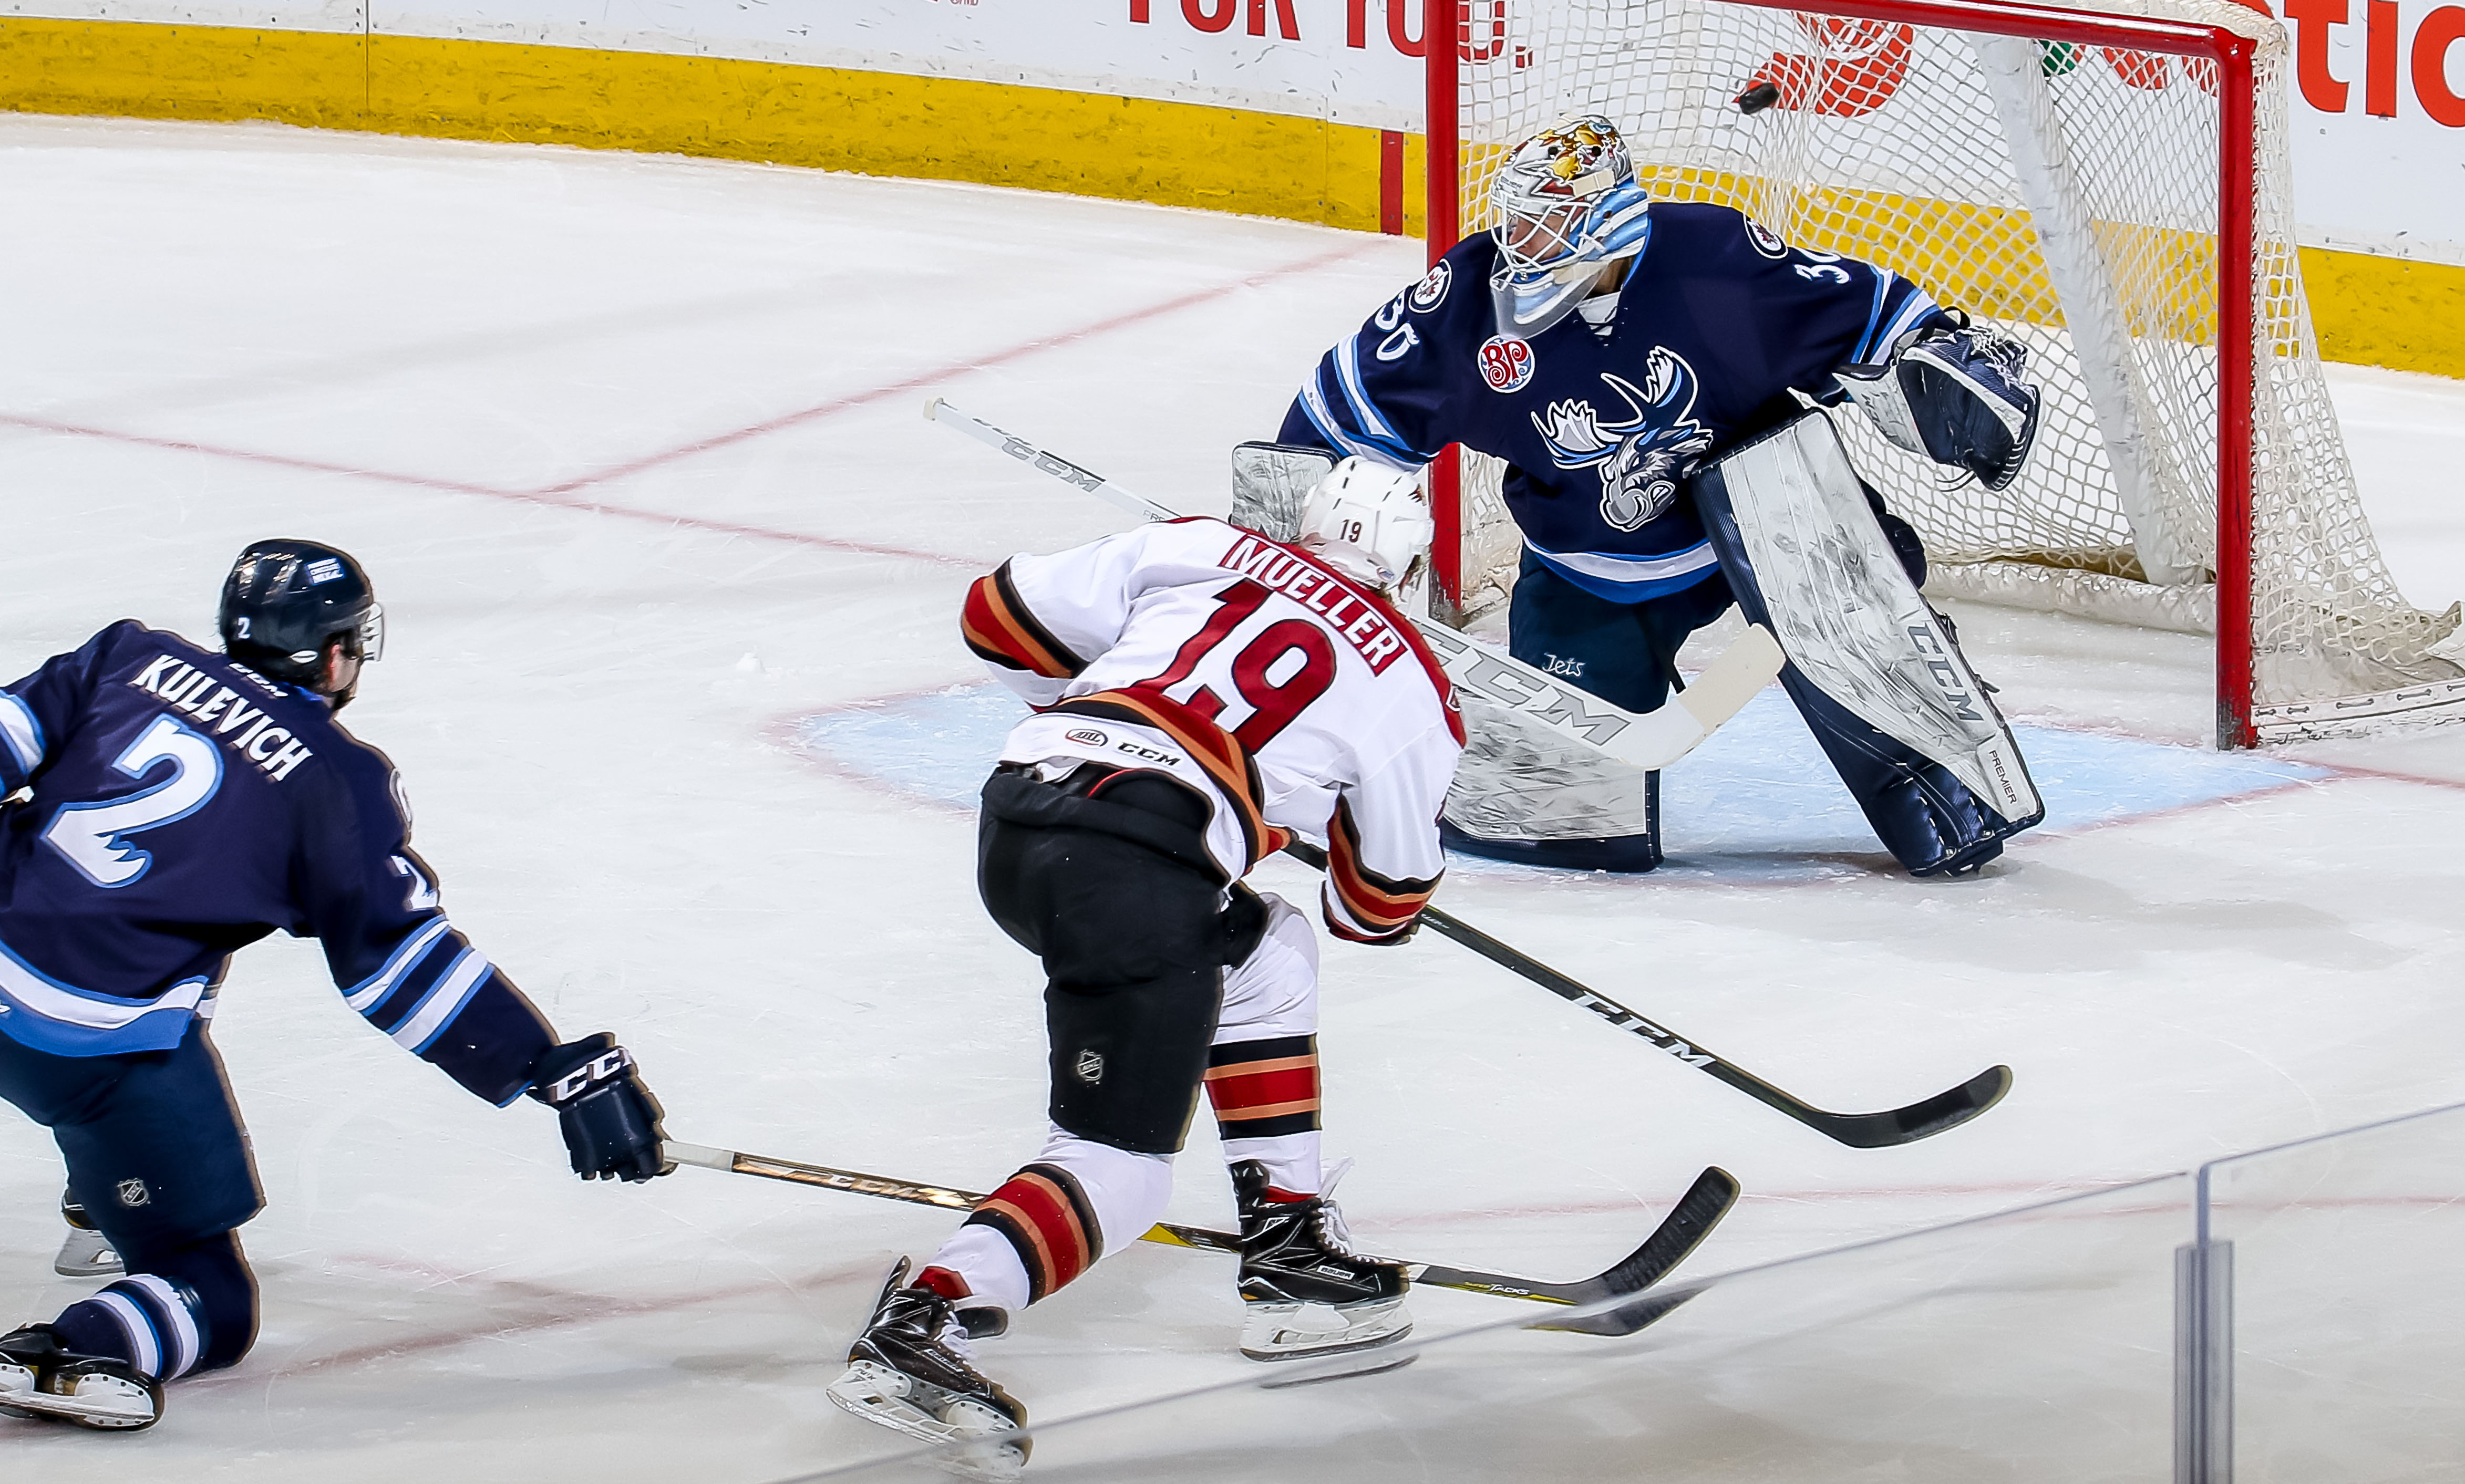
1640 457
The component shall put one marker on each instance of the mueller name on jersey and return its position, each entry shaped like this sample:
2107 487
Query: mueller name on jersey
1280 569
215 707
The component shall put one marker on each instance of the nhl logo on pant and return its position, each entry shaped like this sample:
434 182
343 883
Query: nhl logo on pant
1091 1067
134 1194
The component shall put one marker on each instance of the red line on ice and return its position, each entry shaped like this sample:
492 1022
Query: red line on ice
560 495
458 487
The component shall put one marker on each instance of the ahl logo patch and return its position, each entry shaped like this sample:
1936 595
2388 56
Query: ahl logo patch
1086 735
1432 291
1091 1067
134 1194
1506 363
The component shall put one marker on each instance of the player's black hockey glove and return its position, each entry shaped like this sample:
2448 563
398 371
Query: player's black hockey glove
609 1120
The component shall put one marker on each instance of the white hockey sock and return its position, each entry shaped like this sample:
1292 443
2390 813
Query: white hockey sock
1051 1222
1292 1160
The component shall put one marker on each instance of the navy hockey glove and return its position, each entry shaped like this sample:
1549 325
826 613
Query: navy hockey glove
609 1120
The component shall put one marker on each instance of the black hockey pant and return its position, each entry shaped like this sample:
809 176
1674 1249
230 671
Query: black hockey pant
1105 876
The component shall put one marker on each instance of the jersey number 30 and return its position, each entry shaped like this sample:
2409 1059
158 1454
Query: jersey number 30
1278 673
94 836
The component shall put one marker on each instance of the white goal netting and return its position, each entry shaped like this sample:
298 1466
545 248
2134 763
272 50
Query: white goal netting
2069 194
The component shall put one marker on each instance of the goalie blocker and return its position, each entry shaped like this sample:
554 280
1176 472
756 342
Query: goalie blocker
1873 669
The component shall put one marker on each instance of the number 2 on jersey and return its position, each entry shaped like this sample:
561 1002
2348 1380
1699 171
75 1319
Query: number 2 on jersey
1294 648
94 836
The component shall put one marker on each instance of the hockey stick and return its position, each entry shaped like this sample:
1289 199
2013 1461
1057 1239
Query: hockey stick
1918 1120
1679 1232
1649 740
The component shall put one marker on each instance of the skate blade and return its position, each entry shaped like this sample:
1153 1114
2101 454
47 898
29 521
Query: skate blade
14 1379
105 1403
1300 1332
978 1448
86 1256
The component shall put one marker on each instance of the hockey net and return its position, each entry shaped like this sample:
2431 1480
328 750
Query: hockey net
2080 178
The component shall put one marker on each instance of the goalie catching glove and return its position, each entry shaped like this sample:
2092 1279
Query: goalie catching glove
1960 397
609 1120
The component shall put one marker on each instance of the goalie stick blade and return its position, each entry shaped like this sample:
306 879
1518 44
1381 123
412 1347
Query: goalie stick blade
1679 1234
1918 1120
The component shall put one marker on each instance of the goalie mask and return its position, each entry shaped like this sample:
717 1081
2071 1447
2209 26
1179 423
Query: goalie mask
1368 521
1568 206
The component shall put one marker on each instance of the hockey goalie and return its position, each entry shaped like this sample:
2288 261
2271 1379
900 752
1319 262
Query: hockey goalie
1649 373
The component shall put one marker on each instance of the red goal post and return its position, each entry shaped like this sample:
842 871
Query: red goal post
2178 263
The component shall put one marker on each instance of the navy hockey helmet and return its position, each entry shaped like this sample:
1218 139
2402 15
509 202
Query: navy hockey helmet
285 600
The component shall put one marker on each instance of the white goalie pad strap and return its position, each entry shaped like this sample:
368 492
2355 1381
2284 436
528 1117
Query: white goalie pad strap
1520 779
1852 622
1272 484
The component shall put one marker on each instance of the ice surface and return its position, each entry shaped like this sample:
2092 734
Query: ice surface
1757 802
633 448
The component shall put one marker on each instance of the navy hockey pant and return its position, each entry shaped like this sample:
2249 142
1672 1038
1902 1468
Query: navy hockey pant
1623 653
157 1156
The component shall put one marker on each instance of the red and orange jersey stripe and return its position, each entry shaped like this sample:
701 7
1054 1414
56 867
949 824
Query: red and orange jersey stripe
1212 748
1384 906
1046 1216
1263 1089
998 625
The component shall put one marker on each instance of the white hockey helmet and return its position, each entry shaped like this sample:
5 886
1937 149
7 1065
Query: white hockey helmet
1567 204
1368 521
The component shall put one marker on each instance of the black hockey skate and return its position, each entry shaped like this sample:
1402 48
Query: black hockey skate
1304 1291
39 1377
909 1371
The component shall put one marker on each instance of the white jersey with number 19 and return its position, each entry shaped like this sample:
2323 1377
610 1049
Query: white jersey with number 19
1290 694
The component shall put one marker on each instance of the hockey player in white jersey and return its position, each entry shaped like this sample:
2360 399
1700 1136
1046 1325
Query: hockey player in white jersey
1201 692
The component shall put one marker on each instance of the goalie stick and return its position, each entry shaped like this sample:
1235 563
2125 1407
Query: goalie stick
1921 1120
1649 740
1688 1223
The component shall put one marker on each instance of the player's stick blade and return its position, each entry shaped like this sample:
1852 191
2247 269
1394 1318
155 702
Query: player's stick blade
1918 1120
1637 1313
1682 1231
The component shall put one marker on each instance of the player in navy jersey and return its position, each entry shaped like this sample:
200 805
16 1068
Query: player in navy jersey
169 806
1602 345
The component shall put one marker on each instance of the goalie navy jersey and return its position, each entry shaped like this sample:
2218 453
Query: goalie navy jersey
180 806
1717 318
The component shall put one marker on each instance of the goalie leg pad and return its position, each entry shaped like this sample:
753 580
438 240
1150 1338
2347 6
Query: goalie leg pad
1876 674
1531 805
